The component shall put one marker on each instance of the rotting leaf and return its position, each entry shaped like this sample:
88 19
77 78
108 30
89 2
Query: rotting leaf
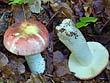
35 7
18 66
57 80
19 13
99 6
7 73
65 10
35 78
3 22
78 8
60 63
2 80
10 81
3 59
108 67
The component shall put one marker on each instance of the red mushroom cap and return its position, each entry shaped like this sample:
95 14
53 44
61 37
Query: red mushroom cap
26 38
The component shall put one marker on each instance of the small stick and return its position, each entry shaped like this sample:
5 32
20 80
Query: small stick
104 25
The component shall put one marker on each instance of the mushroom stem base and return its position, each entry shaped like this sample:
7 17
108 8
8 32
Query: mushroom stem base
99 62
36 63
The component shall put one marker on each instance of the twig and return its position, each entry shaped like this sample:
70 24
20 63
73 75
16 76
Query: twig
104 25
52 18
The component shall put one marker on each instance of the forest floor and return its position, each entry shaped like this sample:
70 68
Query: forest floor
56 55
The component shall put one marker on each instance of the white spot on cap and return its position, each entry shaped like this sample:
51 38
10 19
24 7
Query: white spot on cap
16 34
41 38
13 47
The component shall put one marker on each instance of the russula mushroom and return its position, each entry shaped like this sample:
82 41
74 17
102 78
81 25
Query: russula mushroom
28 38
87 59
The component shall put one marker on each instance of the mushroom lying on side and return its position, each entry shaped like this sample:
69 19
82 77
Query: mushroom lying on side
28 38
87 59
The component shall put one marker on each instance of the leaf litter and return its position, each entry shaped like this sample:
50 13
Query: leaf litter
56 55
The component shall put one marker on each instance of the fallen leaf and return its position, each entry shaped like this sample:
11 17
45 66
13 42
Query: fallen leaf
65 10
98 7
35 7
35 78
7 73
88 9
60 63
21 12
3 59
16 66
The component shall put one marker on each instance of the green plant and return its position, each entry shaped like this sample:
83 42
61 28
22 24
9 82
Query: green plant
84 21
34 5
21 1
17 2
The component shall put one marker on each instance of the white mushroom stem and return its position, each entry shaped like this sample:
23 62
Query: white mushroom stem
87 59
75 42
36 63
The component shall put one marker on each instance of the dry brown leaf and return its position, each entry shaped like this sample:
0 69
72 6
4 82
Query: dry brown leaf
65 10
7 73
87 9
2 80
35 78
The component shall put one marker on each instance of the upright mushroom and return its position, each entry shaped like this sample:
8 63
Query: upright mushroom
28 38
87 59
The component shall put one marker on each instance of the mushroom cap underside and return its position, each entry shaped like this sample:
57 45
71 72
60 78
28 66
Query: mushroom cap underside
100 60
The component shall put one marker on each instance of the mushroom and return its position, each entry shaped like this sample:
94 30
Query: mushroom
28 38
87 59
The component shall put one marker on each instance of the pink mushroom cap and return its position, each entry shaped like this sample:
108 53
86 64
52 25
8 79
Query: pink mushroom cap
26 38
